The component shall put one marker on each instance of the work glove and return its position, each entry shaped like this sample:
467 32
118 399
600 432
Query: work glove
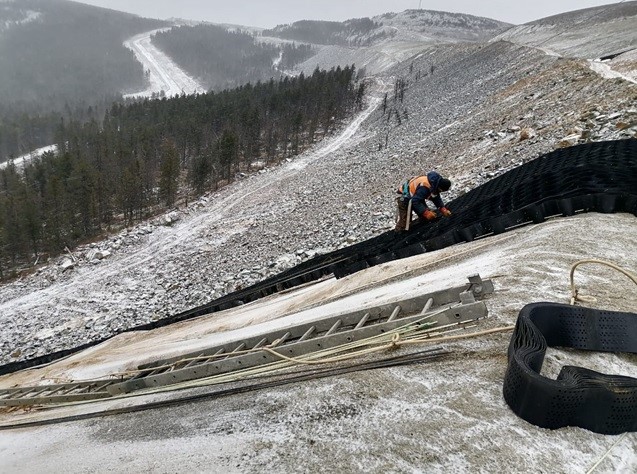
429 215
445 212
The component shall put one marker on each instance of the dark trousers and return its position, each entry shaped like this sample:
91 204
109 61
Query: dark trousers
403 204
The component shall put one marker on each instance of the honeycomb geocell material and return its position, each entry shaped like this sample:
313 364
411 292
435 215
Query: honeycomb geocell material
581 397
595 177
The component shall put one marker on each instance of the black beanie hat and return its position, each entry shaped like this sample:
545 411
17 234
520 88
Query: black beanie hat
444 184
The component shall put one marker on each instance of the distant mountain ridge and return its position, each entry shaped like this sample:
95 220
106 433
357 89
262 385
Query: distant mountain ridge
421 25
589 33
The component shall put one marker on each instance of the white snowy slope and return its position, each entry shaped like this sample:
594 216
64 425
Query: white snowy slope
22 159
444 416
590 33
164 74
482 110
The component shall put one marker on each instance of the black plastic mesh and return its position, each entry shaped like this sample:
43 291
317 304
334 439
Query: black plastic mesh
581 397
599 177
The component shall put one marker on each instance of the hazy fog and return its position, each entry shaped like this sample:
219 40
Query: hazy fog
272 12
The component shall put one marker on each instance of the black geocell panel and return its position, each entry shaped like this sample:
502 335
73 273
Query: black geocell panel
600 176
605 404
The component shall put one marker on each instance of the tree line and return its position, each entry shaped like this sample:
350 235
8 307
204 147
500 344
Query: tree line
221 58
354 32
143 156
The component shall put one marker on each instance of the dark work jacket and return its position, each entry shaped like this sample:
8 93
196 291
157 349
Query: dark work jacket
421 188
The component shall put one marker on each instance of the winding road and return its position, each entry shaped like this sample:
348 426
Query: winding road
165 74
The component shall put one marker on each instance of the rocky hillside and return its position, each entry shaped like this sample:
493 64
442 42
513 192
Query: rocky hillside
570 33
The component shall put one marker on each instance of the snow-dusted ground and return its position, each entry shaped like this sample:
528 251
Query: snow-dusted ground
22 159
165 75
465 120
446 416
605 70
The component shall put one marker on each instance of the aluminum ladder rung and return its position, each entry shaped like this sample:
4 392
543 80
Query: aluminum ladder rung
334 327
182 364
363 321
240 347
70 389
308 333
427 306
103 386
260 343
281 340
394 313
39 392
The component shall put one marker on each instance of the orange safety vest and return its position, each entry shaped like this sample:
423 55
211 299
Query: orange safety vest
408 188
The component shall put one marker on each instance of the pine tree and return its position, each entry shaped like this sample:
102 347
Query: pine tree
227 152
169 173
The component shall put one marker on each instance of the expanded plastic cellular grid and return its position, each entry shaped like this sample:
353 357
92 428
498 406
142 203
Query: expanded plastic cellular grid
600 176
581 397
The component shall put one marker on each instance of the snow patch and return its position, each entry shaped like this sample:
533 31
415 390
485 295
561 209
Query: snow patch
20 161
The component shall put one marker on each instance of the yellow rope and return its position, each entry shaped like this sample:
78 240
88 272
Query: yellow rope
589 299
461 336
395 343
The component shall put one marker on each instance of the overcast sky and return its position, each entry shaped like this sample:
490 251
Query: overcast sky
269 13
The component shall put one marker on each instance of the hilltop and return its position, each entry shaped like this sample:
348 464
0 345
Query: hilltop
570 33
410 25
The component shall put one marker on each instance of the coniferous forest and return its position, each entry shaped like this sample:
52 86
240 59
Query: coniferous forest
221 58
142 157
354 32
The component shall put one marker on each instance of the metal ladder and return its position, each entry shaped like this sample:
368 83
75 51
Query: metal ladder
58 393
453 307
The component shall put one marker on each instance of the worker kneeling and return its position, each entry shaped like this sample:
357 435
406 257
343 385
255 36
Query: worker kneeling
413 195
